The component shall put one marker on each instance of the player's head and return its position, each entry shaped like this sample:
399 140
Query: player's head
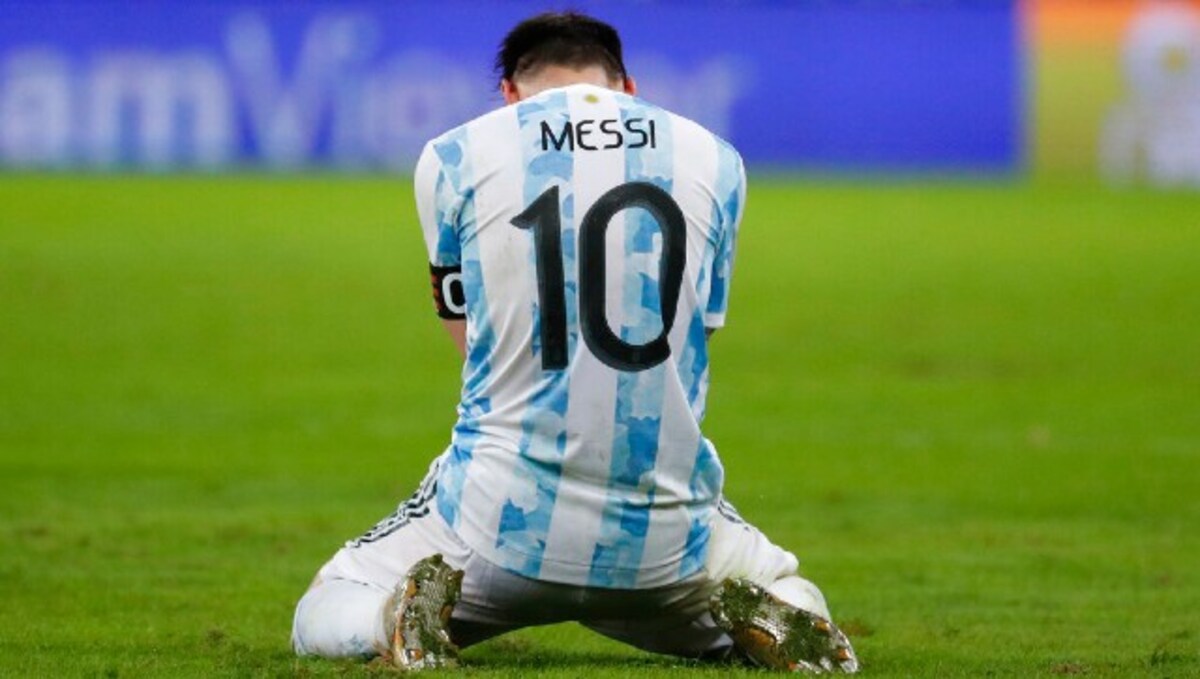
556 49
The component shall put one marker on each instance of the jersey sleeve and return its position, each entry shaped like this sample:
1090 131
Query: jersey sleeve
438 205
731 197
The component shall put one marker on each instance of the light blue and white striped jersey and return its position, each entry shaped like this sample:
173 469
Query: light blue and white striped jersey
595 234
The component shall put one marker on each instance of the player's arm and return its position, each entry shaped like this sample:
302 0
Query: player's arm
458 334
731 196
438 206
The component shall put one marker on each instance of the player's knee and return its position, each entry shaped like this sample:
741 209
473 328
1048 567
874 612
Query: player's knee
300 622
338 619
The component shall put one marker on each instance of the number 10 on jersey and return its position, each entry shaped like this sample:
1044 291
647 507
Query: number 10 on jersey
544 218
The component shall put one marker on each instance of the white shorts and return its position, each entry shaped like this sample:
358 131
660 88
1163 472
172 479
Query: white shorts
672 619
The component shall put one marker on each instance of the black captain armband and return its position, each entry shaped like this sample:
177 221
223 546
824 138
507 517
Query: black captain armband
448 295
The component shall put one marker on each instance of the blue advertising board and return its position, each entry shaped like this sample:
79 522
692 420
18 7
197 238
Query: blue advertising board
870 85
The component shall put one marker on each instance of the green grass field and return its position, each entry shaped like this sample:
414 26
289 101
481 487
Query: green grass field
972 409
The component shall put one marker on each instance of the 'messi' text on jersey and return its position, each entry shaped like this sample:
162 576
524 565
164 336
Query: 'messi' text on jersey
595 135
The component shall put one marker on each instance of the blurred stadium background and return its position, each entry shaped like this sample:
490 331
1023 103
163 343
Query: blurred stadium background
992 86
961 376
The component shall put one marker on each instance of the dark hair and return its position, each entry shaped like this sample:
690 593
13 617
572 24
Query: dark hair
562 39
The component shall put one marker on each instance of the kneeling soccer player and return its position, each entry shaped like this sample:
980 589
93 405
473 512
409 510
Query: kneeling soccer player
581 242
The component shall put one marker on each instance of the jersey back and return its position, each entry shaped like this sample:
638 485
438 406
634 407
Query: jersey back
595 235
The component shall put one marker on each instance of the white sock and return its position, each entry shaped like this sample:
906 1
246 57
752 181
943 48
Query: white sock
340 619
802 594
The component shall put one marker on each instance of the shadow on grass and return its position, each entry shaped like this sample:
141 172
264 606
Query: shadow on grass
520 657
561 664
